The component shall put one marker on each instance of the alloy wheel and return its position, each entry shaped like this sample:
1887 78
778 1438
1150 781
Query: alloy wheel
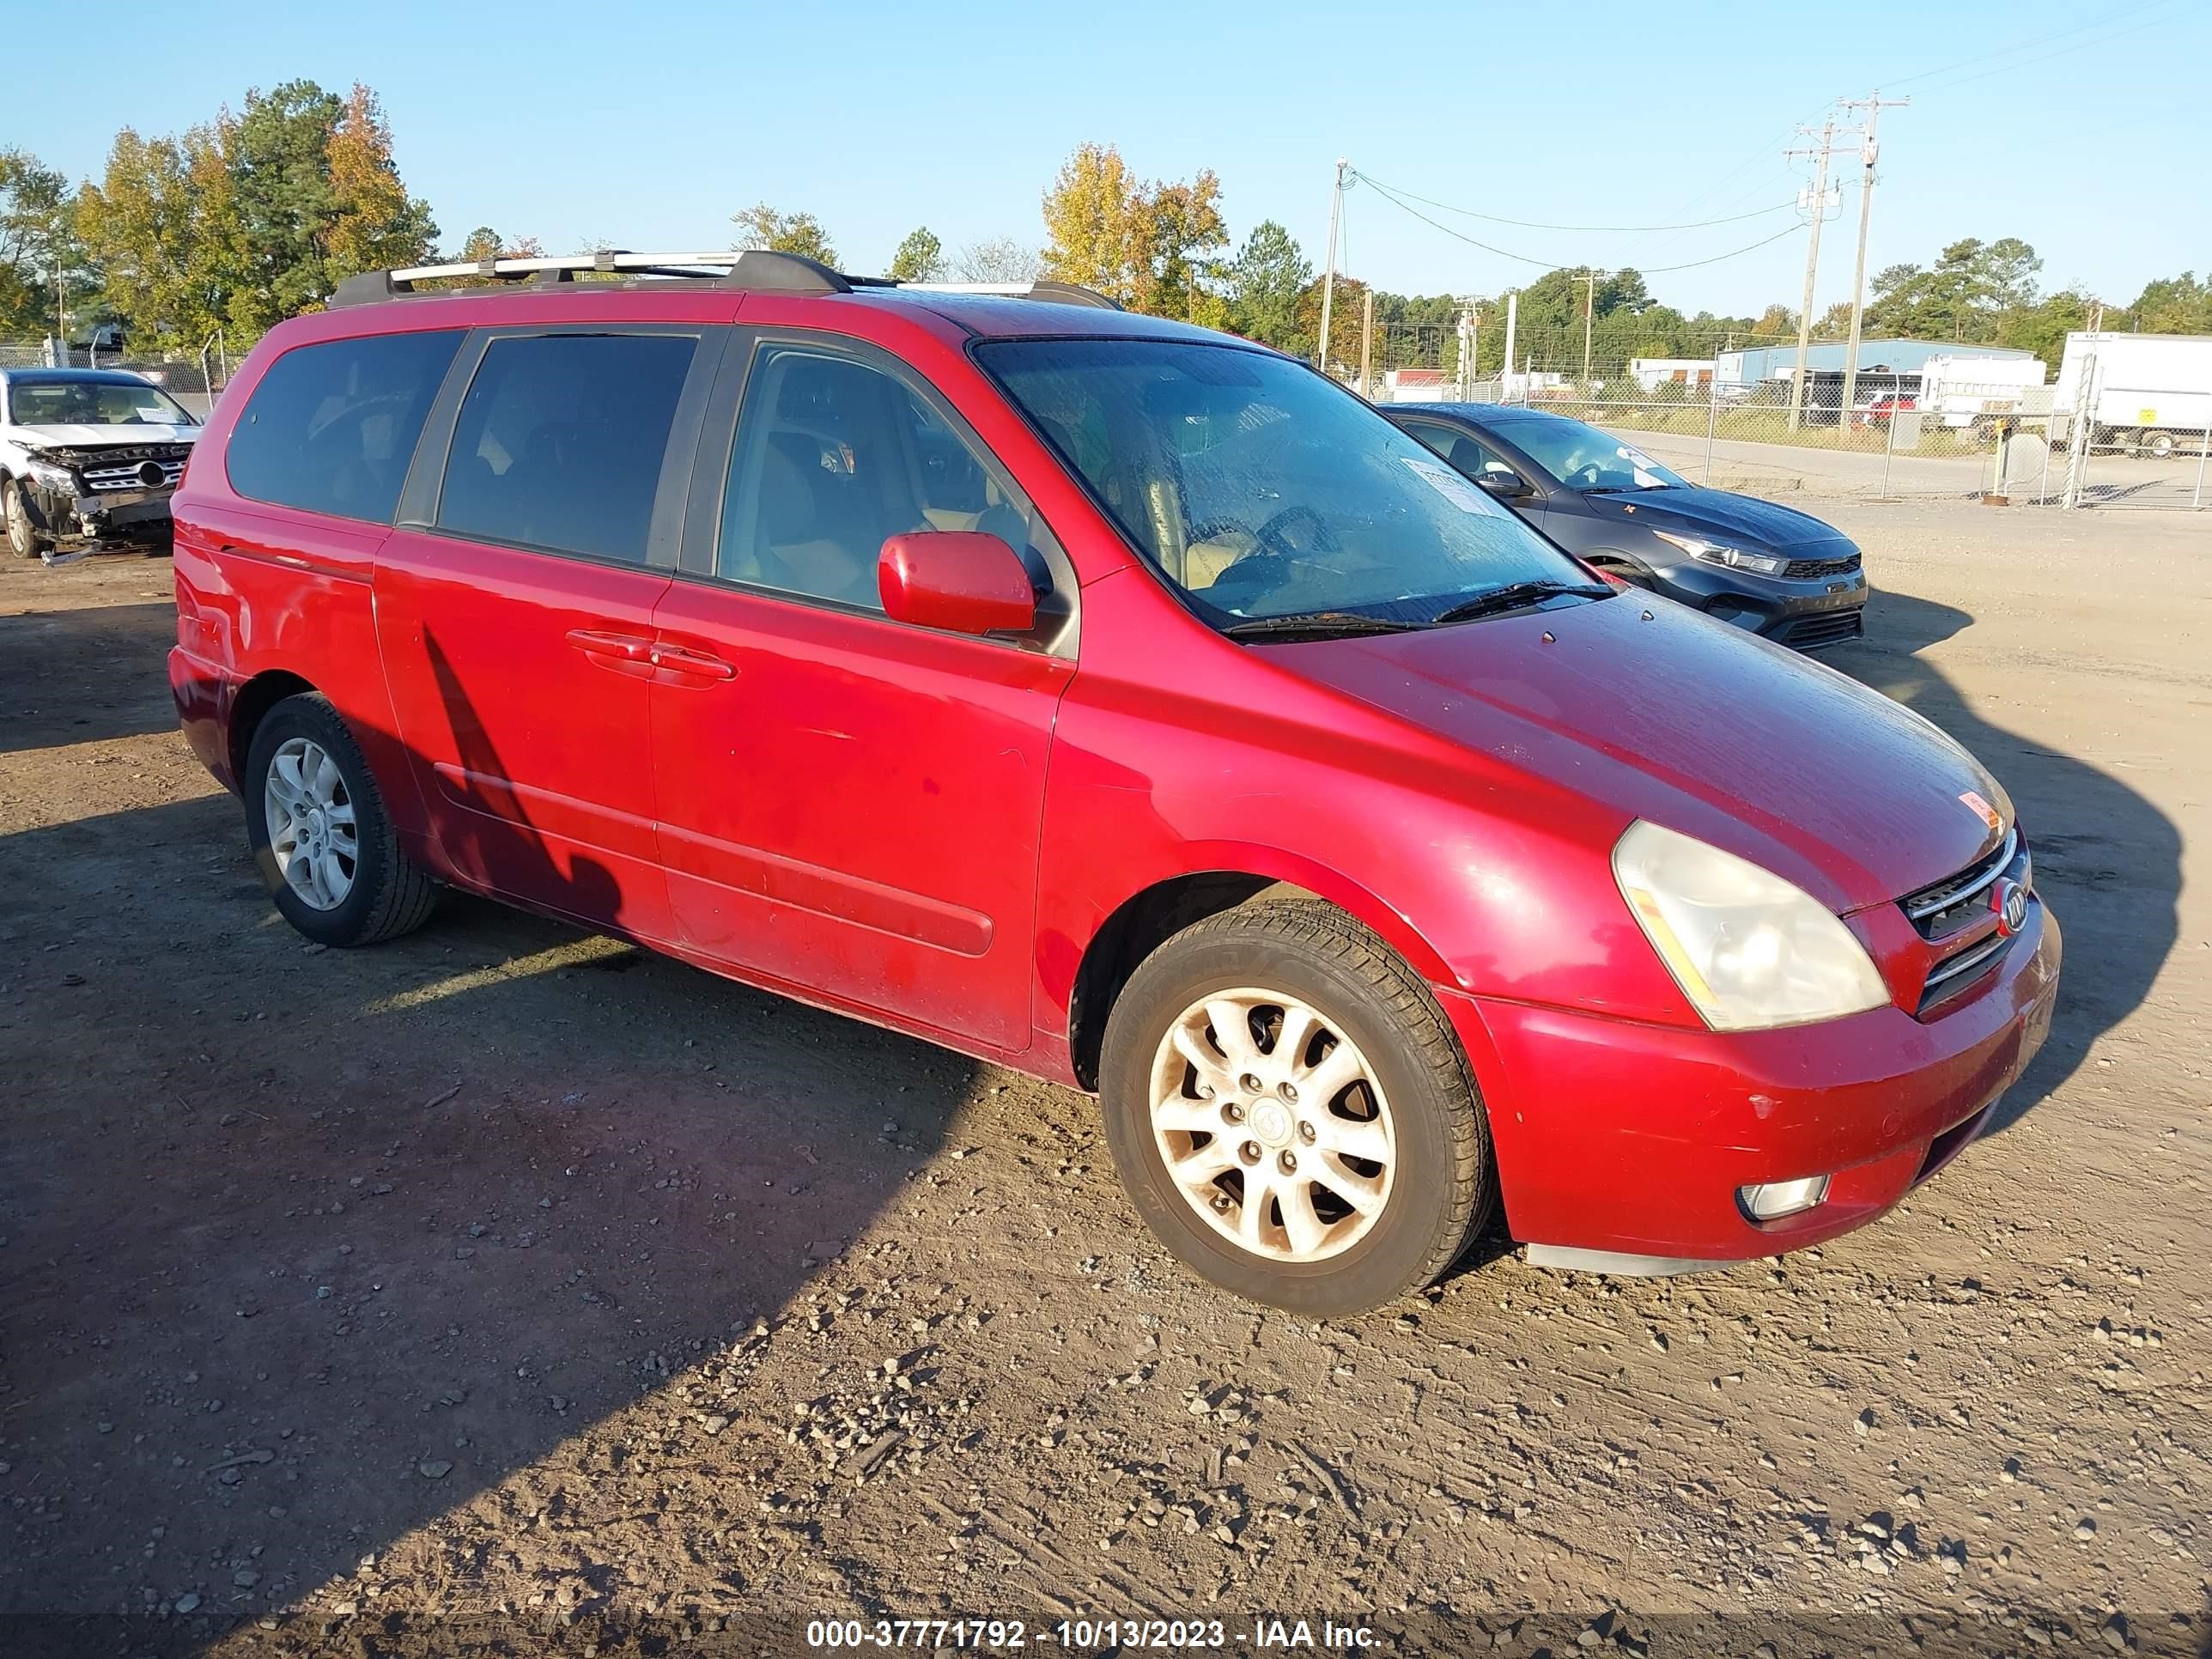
312 832
1273 1125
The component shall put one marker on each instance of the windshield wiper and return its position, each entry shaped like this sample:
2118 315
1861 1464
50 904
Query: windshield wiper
1514 595
1315 624
1623 489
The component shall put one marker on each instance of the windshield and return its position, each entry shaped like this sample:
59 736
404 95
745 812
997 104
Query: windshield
1261 489
1582 458
93 403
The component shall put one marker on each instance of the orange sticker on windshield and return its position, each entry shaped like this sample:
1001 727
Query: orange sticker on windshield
1983 810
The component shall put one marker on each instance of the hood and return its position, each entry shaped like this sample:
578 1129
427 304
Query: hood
1719 515
105 437
1695 725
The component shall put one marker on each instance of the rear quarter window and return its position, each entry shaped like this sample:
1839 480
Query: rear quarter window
332 428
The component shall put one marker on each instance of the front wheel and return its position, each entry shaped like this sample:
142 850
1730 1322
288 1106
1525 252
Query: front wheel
2160 446
1289 1112
22 535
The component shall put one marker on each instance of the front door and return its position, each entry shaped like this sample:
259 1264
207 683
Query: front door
849 806
514 611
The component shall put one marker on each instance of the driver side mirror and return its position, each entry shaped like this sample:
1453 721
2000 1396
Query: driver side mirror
1504 486
965 581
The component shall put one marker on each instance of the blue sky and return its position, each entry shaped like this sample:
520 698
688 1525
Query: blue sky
647 124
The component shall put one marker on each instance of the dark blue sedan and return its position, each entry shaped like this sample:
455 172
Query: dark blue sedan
1769 570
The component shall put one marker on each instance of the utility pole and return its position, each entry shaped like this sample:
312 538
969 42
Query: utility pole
1329 282
1873 107
1811 263
1590 301
1367 346
1512 321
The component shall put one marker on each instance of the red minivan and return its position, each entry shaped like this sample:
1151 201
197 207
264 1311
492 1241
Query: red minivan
1116 701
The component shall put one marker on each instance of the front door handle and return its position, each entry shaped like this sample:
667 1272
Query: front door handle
602 642
683 661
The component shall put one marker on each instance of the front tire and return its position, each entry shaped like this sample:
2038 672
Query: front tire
22 536
1289 1112
2160 446
320 837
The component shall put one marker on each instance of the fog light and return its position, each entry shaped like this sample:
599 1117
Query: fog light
1776 1198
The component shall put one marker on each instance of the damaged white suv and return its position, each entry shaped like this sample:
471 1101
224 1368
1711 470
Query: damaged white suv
88 456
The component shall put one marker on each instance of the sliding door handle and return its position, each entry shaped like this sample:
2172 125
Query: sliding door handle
604 642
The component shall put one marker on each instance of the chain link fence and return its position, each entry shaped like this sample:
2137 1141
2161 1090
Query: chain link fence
1964 431
194 379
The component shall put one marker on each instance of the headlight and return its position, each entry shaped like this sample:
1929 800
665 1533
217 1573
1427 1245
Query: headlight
1749 951
1760 564
49 476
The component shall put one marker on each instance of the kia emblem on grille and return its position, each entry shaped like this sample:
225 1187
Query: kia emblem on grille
2009 900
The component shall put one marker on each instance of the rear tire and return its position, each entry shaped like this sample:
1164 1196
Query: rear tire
320 837
1334 1230
23 538
2160 446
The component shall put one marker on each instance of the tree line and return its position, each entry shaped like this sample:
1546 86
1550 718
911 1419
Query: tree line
1163 246
258 215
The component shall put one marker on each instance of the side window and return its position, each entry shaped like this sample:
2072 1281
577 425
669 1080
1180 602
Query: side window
833 457
560 441
331 428
1467 456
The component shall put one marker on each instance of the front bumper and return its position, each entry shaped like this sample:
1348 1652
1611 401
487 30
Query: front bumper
1632 1139
68 514
1807 615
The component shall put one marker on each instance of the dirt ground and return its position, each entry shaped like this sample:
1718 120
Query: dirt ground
503 1285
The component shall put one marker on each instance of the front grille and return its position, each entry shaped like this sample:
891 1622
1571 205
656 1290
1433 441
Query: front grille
1942 909
1955 916
99 479
1952 976
1830 628
1806 570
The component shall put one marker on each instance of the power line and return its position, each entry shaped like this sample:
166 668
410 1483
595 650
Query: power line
1532 224
1557 265
2023 45
2063 51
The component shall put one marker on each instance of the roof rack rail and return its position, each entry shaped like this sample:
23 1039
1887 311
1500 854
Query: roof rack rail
756 269
1066 294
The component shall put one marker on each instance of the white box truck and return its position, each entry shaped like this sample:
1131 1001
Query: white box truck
2145 392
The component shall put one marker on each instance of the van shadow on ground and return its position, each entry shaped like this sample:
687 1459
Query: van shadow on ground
81 675
2107 862
303 1248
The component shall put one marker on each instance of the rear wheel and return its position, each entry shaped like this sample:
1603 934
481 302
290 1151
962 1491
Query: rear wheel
320 833
1290 1113
2159 445
23 537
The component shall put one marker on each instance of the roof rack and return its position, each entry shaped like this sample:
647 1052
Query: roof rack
755 269
747 268
1066 294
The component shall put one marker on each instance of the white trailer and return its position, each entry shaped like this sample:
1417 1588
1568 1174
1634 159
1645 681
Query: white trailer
2145 392
1965 389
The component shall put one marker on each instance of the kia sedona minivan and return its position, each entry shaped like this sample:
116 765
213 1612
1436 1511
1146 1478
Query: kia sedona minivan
1113 700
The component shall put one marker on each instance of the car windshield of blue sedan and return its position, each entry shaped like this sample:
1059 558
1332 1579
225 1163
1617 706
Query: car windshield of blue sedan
1584 458
1263 491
